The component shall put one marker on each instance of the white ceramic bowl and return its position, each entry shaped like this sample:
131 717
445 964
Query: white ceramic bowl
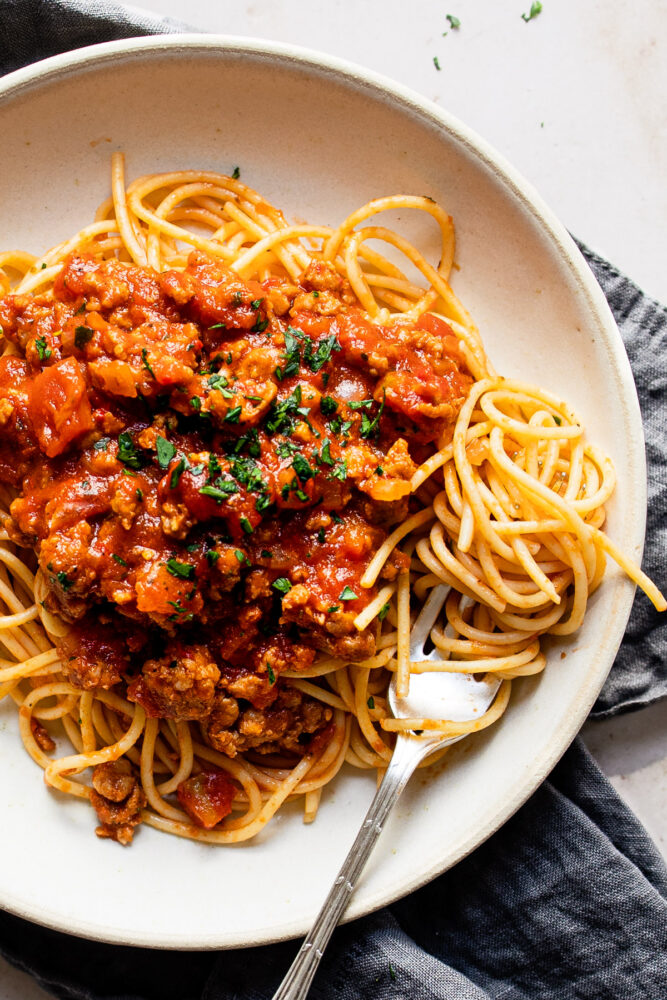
318 137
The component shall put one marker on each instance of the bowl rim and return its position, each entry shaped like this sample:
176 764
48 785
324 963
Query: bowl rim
68 64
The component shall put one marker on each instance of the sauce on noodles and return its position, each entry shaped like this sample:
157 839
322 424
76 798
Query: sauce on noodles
235 464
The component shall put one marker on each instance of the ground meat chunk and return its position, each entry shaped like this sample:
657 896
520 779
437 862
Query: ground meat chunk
322 276
254 677
180 685
117 799
286 725
332 632
93 655
42 738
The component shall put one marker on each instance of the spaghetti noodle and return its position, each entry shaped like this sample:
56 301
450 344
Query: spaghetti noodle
410 464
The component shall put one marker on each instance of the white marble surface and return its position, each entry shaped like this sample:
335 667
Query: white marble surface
576 101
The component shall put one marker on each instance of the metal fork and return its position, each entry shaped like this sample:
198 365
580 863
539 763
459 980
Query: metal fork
457 697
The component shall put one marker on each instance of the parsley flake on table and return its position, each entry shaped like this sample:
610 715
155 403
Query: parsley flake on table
436 63
535 9
454 22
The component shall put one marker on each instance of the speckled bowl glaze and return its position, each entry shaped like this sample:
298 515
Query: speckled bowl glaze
318 137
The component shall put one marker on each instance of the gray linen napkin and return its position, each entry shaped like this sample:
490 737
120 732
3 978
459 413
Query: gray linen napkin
568 901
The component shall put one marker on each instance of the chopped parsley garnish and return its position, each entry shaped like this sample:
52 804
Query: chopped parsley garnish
165 452
436 63
321 536
185 571
315 357
368 426
101 445
302 468
212 557
340 471
535 9
454 22
260 326
237 300
271 675
64 580
82 335
236 173
180 610
250 440
292 353
262 503
218 326
246 525
118 559
139 494
177 472
220 489
232 416
195 403
379 471
43 351
334 607
347 594
282 585
383 612
127 451
301 496
246 472
286 449
324 457
336 518
242 557
371 702
145 363
328 406
280 419
557 420
360 404
322 353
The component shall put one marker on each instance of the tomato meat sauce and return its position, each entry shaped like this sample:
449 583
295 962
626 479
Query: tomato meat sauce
204 467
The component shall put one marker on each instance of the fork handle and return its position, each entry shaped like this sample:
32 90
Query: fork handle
407 755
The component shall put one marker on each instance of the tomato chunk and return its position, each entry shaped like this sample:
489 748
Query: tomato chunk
59 408
207 797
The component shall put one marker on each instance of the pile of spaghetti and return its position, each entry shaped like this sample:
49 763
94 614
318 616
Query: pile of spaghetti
236 457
